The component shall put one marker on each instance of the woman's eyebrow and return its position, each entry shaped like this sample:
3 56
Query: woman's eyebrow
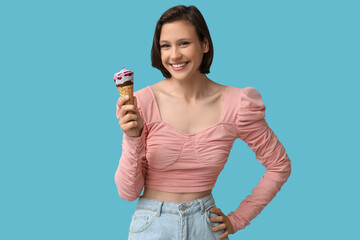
183 39
179 40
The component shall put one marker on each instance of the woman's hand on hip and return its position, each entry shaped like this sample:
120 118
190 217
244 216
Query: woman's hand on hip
130 120
225 223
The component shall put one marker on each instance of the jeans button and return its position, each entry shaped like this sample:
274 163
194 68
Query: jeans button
183 208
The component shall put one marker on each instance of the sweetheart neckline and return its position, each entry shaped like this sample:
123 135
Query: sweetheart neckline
196 133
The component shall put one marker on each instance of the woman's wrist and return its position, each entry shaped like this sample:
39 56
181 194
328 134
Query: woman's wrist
137 135
135 141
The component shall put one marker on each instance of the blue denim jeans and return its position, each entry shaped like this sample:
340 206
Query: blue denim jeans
159 220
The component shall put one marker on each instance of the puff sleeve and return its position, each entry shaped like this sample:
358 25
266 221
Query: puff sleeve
254 130
131 172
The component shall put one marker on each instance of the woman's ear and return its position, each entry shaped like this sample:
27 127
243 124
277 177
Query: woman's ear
205 45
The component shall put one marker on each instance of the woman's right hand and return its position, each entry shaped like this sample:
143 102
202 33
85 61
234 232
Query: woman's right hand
130 120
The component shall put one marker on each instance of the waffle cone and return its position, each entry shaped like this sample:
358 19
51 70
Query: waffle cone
127 90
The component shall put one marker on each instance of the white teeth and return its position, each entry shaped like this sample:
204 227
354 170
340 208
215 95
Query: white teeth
179 65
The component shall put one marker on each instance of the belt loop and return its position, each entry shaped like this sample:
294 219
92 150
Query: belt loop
202 206
158 213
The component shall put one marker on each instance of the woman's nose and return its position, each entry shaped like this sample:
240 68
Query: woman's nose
175 53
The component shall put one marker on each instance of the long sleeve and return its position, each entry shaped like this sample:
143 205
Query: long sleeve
131 172
253 129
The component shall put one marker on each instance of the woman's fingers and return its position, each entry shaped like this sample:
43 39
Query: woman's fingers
217 211
128 117
121 102
224 235
219 227
124 109
225 223
218 219
128 121
129 125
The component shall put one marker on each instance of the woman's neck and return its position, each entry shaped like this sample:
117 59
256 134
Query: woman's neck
189 89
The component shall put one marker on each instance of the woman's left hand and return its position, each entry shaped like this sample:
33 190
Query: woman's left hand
225 223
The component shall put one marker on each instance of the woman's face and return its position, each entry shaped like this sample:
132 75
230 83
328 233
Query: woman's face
180 49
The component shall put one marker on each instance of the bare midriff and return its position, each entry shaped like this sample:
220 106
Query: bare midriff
173 197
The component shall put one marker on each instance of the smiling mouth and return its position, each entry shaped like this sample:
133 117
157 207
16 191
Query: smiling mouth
178 66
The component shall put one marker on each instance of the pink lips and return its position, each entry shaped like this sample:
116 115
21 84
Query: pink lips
178 68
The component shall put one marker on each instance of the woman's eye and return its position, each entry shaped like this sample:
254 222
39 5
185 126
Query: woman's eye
164 46
184 43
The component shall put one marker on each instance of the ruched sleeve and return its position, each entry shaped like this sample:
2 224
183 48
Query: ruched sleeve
131 171
254 130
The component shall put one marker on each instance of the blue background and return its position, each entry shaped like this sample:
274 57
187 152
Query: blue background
61 142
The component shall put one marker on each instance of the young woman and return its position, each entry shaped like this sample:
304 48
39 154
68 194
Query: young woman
179 140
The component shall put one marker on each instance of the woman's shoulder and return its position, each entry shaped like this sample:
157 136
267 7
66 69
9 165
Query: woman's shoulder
246 98
247 93
244 90
160 87
143 93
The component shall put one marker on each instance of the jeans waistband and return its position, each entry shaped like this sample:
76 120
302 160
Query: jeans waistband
159 207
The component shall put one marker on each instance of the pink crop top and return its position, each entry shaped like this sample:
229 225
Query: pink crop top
165 158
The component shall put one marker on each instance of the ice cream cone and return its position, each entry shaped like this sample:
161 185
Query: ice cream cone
127 90
124 81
